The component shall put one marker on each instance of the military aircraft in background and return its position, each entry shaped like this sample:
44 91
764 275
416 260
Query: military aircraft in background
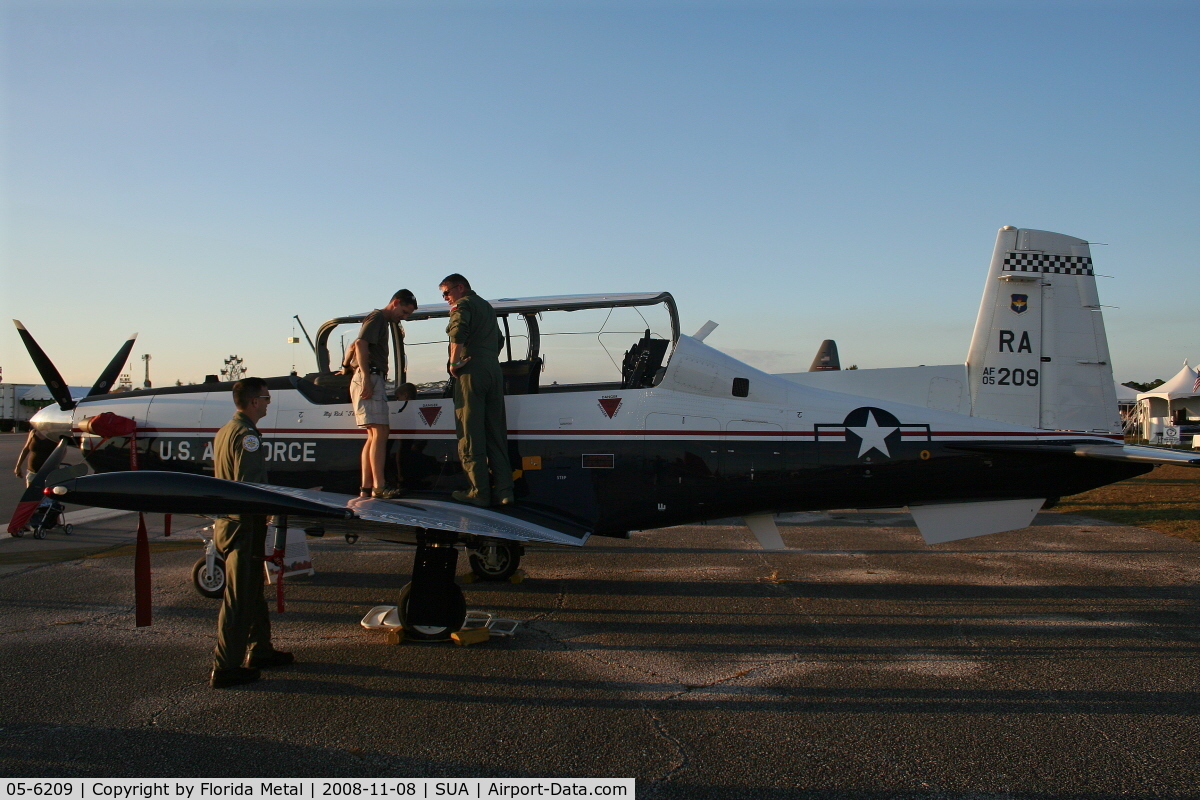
677 432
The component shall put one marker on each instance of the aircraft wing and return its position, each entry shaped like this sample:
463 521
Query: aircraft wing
1144 454
183 493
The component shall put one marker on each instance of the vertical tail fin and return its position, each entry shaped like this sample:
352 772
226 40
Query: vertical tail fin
826 357
1039 354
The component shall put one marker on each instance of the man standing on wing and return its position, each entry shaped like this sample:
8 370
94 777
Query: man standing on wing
479 418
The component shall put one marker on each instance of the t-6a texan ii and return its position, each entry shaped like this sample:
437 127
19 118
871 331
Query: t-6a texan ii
674 432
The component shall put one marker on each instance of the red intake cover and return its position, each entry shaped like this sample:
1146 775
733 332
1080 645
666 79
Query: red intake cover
108 424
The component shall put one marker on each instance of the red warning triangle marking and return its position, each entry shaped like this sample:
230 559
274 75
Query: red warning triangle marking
610 405
430 414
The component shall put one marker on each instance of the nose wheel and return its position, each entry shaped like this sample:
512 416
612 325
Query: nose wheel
209 580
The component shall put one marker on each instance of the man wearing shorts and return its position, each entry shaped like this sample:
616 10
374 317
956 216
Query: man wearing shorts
369 357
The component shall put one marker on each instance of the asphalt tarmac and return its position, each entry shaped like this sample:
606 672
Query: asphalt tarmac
1059 661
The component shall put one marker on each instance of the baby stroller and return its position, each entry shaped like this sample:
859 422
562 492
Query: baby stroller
49 514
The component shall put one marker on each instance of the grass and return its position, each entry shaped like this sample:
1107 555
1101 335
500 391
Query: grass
1166 500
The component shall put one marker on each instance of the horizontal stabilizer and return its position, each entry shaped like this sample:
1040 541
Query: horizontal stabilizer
1143 454
948 522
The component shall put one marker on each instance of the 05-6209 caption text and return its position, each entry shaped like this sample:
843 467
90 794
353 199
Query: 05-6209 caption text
314 788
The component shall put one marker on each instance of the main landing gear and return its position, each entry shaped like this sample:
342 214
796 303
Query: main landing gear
432 606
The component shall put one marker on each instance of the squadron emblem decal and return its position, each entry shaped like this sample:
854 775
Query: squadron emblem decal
250 443
1020 303
430 414
609 405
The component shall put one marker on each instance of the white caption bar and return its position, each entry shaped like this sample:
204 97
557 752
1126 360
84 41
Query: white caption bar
317 788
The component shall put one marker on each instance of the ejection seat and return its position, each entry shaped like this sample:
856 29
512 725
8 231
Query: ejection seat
640 368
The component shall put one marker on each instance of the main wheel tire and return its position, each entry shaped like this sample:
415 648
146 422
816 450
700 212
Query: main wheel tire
495 562
431 633
209 585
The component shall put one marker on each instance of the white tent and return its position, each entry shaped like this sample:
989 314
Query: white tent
1170 406
39 394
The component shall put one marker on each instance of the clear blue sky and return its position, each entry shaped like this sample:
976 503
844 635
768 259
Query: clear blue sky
201 171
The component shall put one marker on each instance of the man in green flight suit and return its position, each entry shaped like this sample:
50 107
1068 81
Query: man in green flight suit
479 418
243 626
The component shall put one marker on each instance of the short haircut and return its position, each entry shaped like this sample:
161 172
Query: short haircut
454 279
246 390
406 298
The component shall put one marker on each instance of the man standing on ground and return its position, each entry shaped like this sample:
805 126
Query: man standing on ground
369 357
38 447
479 418
243 626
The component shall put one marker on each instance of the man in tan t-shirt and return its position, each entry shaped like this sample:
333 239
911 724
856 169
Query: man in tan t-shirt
369 357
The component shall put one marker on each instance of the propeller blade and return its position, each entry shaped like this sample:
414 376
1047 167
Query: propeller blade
105 382
45 367
33 494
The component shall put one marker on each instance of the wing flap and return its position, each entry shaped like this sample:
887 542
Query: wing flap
444 515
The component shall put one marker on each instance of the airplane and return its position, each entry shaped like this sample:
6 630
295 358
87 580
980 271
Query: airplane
677 432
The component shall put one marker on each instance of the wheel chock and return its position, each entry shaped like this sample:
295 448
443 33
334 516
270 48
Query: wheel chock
468 578
495 626
517 576
396 636
382 618
471 636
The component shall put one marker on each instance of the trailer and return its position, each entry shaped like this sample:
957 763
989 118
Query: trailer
19 402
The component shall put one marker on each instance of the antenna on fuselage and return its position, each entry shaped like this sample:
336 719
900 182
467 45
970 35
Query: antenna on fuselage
306 336
705 330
